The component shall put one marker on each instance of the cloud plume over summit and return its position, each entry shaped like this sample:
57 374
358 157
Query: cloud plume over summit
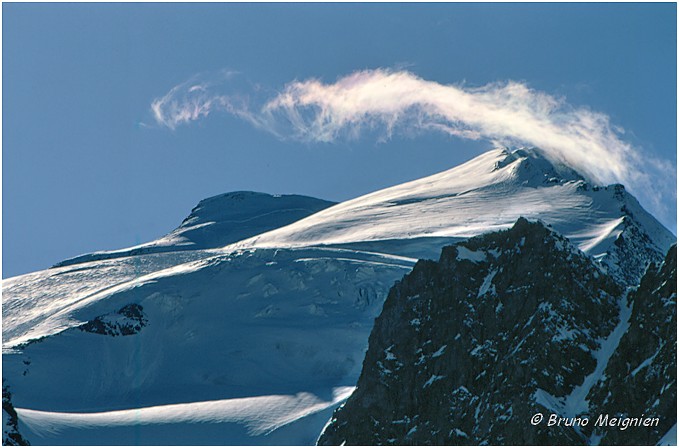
390 102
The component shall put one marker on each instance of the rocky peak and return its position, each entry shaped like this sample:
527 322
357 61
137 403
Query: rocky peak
10 421
463 345
640 378
533 167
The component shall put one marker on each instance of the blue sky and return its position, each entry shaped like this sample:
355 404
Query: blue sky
87 166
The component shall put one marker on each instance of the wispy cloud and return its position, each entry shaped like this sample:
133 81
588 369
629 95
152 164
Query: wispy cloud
389 102
201 95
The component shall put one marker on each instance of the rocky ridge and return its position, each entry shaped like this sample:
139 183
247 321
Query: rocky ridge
504 326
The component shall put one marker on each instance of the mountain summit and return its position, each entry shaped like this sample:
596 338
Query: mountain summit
221 220
198 338
486 194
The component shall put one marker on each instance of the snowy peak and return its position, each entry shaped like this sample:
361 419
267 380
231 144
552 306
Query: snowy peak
485 194
532 167
244 206
230 217
253 341
415 219
221 220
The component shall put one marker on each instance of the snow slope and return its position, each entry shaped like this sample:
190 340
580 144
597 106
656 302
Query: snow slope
253 325
251 418
221 220
485 194
281 319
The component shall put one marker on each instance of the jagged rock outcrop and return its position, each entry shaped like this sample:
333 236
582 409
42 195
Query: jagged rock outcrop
128 320
10 421
640 378
463 345
633 251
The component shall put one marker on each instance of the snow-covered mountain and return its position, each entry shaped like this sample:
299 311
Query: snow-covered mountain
221 220
248 324
486 194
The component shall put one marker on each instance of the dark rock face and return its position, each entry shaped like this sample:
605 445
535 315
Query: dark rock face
631 254
128 320
640 378
10 421
463 345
